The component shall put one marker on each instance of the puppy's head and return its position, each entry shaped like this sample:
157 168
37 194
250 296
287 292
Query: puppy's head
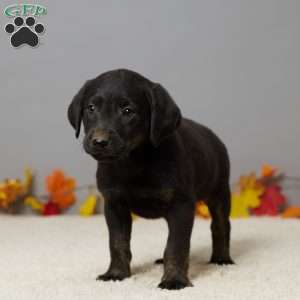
121 110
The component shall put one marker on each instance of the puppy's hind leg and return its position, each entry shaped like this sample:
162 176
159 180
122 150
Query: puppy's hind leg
159 261
219 206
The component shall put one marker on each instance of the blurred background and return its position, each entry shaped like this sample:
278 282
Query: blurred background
232 65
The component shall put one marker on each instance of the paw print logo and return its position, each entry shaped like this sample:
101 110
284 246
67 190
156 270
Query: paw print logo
24 33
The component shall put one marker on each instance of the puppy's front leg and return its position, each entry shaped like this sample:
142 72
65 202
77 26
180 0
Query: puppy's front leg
180 221
119 221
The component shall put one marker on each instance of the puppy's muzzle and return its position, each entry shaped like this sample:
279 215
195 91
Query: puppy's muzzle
103 144
99 140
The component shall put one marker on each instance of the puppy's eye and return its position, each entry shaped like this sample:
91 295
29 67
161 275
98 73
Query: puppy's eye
91 108
127 111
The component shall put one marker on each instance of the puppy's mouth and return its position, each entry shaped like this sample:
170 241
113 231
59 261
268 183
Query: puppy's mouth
103 156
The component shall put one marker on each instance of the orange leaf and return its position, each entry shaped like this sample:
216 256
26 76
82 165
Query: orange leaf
61 189
268 170
291 212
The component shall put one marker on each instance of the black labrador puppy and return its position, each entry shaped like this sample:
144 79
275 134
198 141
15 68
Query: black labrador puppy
155 163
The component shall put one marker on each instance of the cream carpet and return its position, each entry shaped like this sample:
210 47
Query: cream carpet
59 258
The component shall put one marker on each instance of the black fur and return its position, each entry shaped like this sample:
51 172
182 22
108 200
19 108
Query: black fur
155 163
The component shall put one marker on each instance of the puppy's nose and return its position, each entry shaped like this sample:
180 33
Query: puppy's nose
100 142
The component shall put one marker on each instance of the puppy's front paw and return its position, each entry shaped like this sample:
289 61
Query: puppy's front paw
221 261
174 284
113 275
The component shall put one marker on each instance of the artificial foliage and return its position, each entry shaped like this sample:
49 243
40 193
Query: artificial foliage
291 212
60 195
88 207
61 189
202 210
12 191
259 195
242 202
271 201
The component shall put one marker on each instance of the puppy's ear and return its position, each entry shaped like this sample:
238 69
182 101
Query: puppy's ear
75 109
165 114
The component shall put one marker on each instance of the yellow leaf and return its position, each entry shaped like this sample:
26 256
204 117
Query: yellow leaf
240 203
34 203
88 206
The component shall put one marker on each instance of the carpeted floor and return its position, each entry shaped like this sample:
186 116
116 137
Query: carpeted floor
60 257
